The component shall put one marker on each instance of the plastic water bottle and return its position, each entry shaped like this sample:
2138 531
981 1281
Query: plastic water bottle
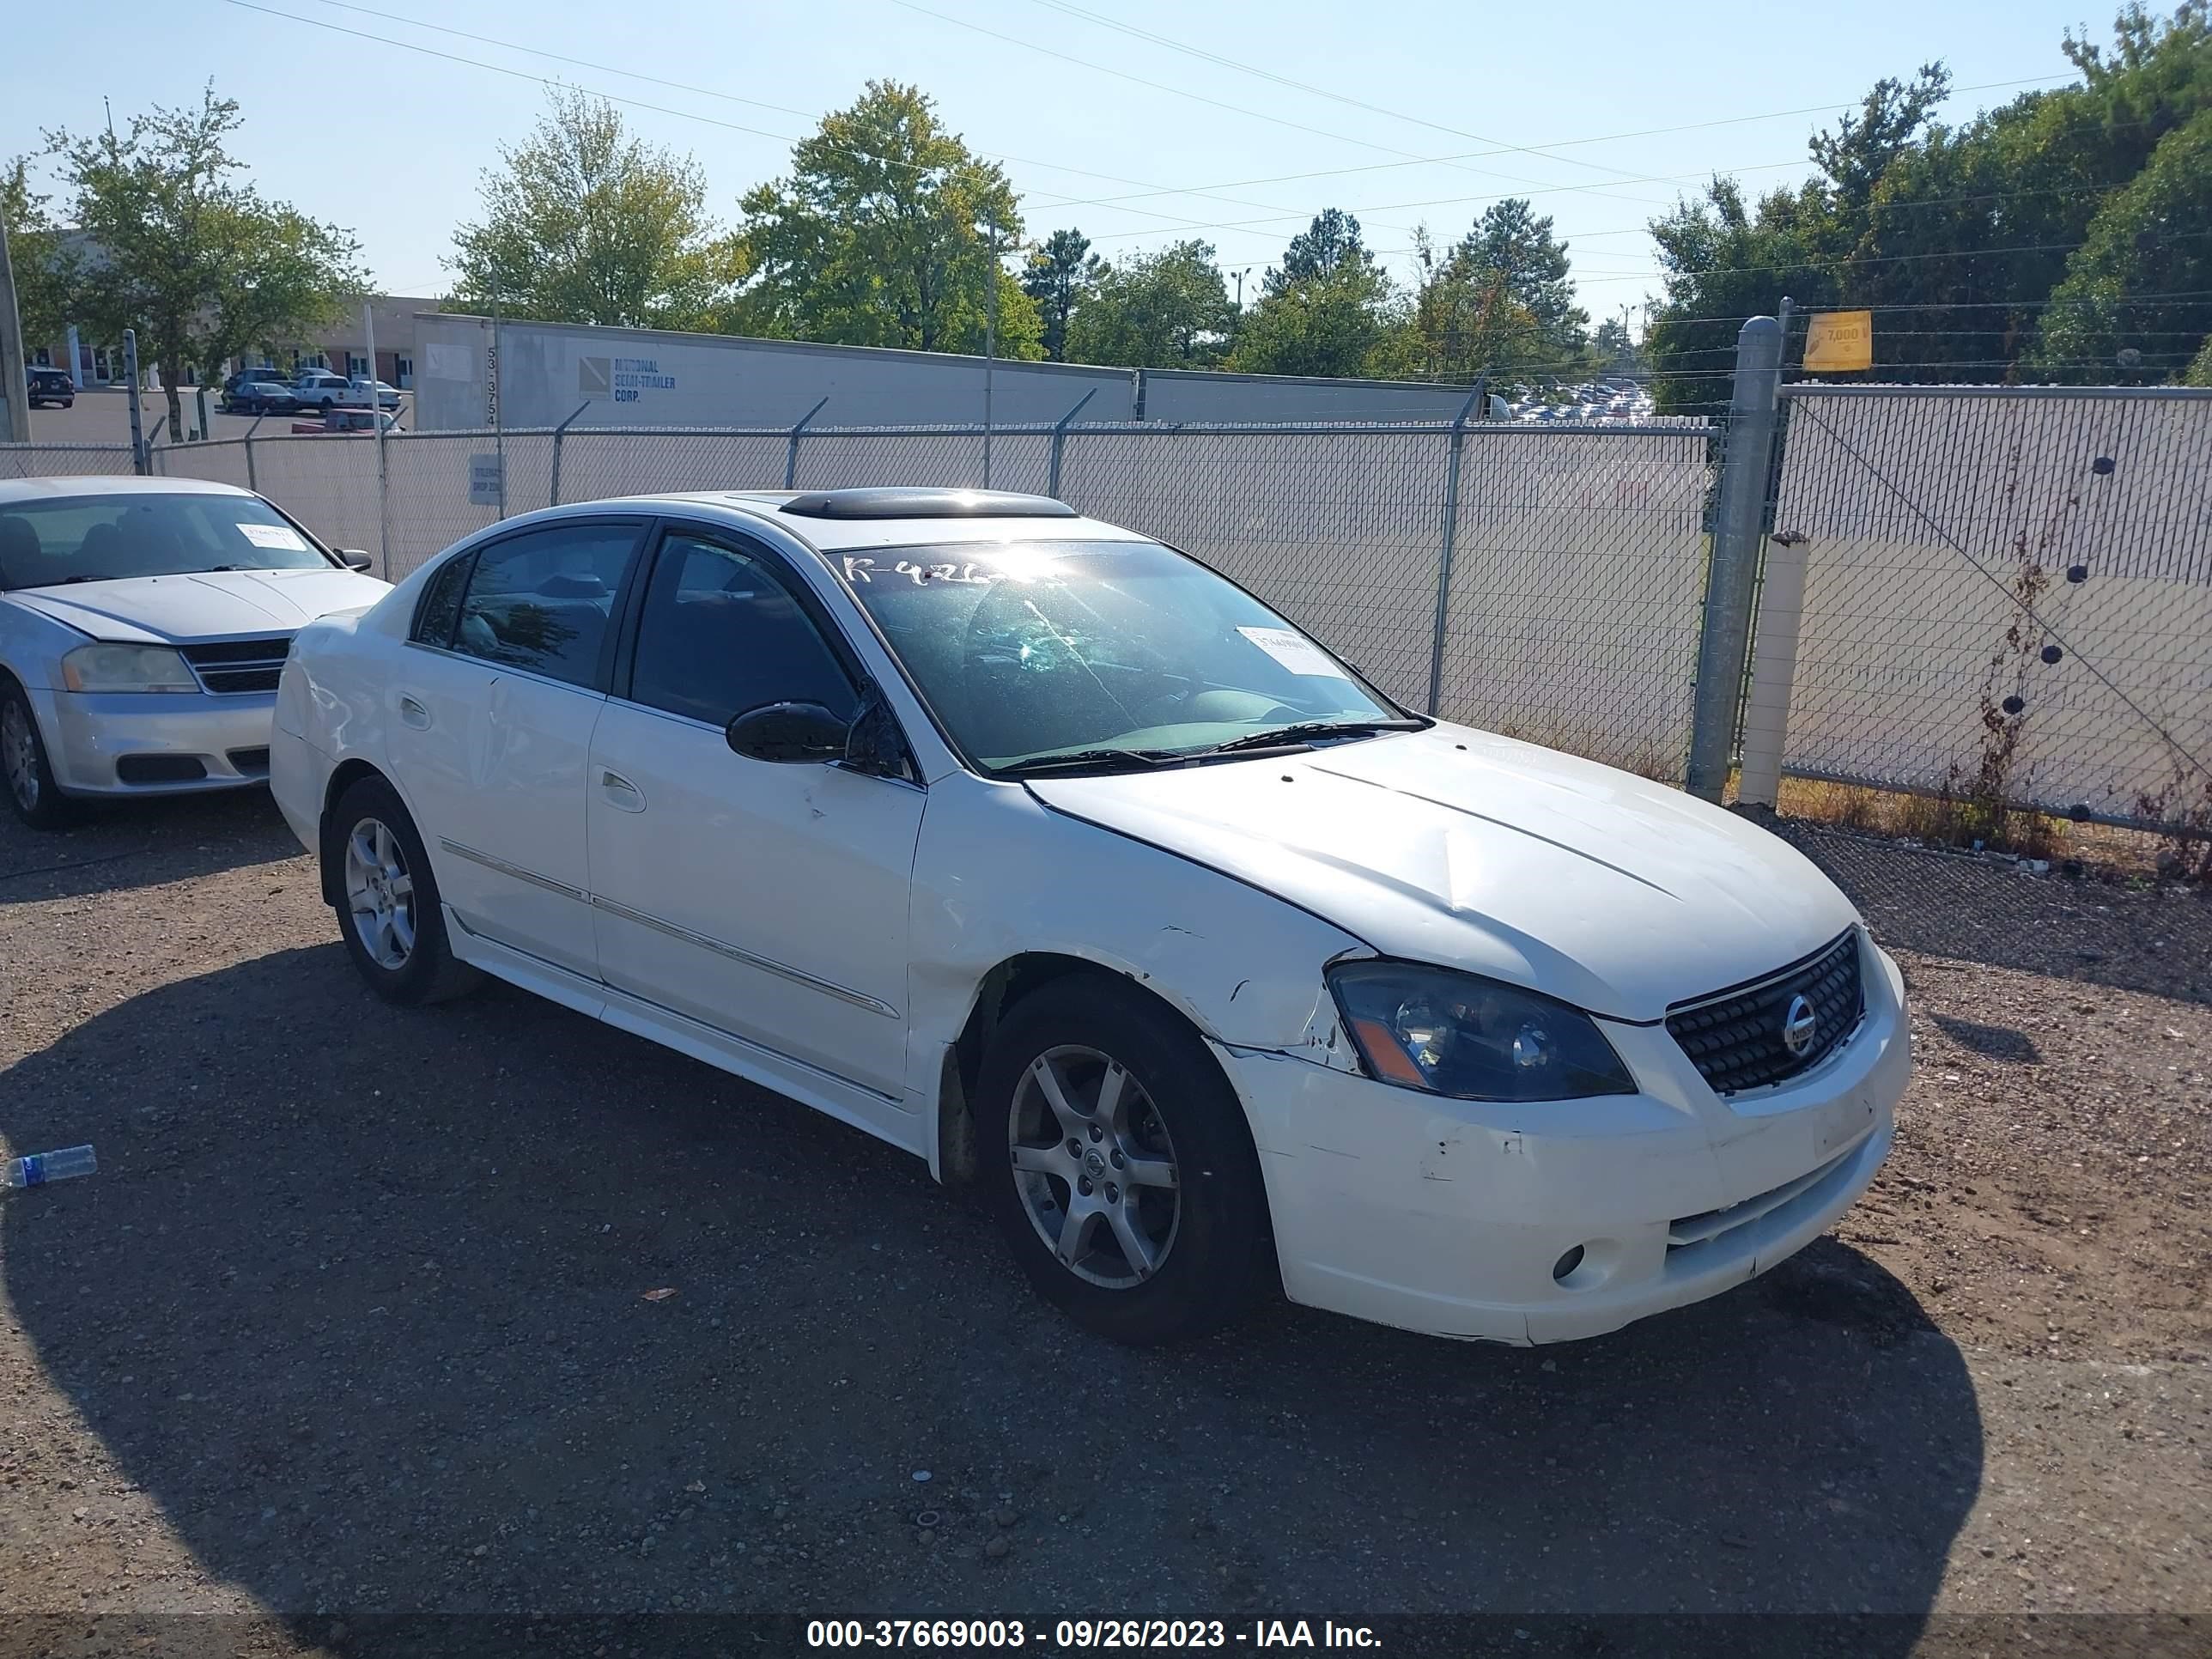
36 1169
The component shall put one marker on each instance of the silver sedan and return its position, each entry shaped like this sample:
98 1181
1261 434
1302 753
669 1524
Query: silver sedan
143 623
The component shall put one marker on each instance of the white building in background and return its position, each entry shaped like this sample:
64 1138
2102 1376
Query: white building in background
550 373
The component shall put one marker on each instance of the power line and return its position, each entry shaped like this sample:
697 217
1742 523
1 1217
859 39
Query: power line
1174 220
1203 56
1558 144
1217 103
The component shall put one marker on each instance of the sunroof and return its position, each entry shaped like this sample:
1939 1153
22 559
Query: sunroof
912 503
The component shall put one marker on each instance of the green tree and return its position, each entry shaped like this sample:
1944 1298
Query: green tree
176 249
1613 349
584 223
1339 321
1058 277
1512 246
2151 239
1330 241
44 266
885 234
1164 310
2019 243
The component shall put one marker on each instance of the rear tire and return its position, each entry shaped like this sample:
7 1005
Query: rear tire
387 899
29 776
1120 1164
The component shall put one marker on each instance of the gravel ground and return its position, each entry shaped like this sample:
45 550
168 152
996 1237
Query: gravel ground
354 1320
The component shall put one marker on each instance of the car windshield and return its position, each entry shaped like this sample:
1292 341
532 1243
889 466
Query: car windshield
1102 654
88 539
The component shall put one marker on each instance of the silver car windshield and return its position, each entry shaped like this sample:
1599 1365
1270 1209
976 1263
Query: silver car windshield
1099 652
90 538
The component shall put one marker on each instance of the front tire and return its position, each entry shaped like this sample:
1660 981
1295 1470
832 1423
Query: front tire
1120 1164
387 899
24 767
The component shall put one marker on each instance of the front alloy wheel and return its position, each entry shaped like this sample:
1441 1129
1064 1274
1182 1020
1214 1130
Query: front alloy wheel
1095 1167
381 894
1119 1162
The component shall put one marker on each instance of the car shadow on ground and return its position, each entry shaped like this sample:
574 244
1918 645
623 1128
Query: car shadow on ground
119 845
366 1300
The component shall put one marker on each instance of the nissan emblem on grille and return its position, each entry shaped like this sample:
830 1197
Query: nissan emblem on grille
1800 1025
1769 1030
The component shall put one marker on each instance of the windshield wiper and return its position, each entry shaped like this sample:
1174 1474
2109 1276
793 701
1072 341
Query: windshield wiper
1285 736
1086 760
83 577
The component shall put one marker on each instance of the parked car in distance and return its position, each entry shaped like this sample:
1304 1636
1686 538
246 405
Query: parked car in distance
361 394
347 421
318 388
143 625
49 386
1051 856
257 392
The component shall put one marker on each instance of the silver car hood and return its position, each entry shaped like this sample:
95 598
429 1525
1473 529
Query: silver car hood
1475 851
208 605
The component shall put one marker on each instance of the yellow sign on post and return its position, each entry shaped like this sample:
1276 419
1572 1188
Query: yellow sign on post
1839 340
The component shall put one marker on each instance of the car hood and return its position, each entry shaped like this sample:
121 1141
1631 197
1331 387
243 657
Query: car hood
1475 851
210 605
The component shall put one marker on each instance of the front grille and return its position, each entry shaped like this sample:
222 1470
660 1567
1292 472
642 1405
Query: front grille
253 763
1734 1037
229 666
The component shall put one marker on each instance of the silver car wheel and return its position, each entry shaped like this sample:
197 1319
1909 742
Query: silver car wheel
19 753
380 894
1095 1167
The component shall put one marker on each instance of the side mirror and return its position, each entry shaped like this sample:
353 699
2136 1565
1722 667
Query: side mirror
787 733
356 558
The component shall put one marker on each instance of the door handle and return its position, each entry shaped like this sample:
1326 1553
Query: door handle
621 792
413 714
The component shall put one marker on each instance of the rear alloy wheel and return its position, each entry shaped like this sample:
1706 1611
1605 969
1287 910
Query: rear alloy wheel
387 899
1120 1164
24 767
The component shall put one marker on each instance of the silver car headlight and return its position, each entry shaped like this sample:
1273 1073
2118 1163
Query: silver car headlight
126 668
1450 1033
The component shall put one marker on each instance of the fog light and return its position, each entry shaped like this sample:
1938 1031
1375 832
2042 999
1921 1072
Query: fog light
1566 1264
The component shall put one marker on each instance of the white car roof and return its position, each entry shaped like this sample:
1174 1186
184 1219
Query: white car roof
830 535
48 489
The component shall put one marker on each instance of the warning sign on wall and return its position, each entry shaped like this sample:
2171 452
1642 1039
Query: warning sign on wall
1837 340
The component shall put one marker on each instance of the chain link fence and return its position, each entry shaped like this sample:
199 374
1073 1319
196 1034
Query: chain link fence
1975 595
1998 597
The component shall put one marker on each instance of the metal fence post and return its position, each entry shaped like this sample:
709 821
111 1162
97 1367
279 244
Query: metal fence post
131 379
1059 441
253 482
1732 571
790 455
1450 541
553 495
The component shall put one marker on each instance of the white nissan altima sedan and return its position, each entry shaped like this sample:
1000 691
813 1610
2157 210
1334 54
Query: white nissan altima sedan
1041 850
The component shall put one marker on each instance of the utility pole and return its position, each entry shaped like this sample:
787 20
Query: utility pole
17 401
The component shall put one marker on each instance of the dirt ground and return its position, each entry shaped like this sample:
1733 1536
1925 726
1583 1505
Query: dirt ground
353 1322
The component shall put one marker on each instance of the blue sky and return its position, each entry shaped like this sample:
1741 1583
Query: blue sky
391 142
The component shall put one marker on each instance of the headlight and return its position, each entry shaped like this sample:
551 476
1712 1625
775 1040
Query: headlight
1471 1038
126 668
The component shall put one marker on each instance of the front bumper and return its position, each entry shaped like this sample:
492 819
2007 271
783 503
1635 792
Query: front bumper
100 743
1455 1218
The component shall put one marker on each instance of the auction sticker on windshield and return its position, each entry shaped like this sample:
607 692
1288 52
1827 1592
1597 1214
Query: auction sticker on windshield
1298 655
278 536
